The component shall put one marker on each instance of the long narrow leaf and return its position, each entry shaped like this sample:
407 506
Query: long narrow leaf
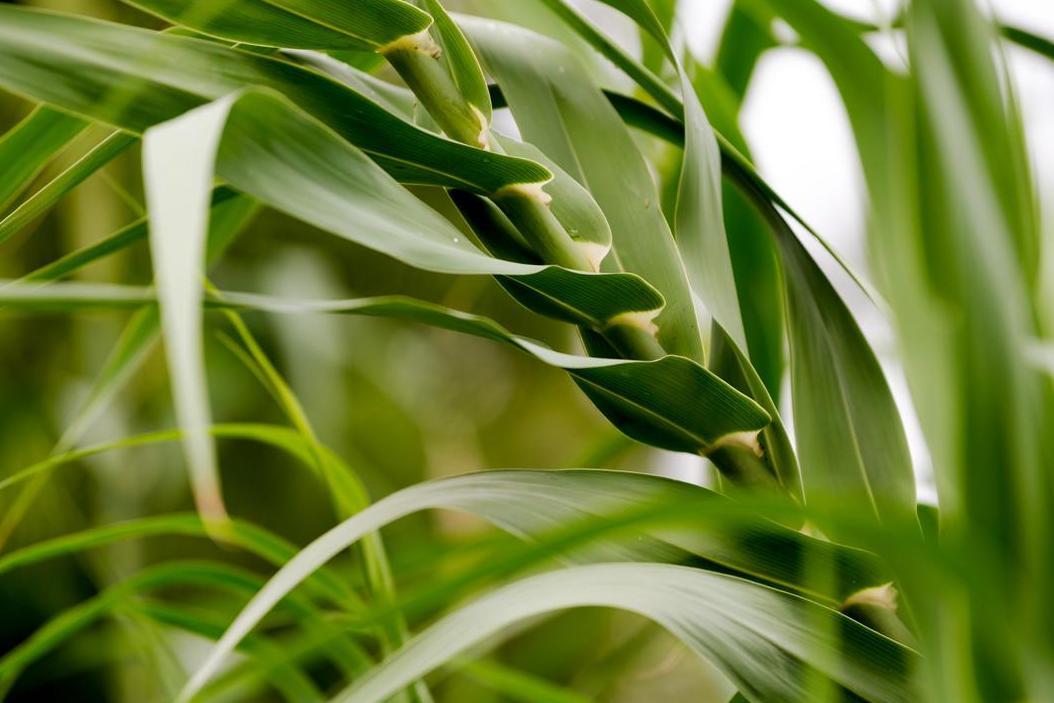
502 497
29 145
671 402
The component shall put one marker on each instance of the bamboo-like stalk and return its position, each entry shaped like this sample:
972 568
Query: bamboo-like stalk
416 59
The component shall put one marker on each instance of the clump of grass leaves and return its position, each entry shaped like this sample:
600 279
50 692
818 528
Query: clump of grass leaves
810 575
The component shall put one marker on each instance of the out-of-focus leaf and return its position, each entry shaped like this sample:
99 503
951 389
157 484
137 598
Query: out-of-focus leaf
1022 37
522 503
179 160
226 204
288 678
974 255
298 24
251 538
758 637
671 402
742 42
42 201
102 70
229 215
29 145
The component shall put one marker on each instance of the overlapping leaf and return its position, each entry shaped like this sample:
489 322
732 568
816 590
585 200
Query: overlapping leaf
297 24
765 626
699 225
271 150
28 146
756 636
103 70
559 110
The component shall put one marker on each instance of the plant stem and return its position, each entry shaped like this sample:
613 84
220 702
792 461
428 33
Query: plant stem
416 60
528 208
632 336
633 340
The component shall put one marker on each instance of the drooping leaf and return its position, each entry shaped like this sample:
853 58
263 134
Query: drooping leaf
178 166
296 24
560 111
758 637
671 402
850 436
521 502
102 70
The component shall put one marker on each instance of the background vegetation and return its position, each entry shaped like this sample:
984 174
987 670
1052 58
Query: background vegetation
112 587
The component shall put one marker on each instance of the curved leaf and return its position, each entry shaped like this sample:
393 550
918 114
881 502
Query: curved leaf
29 145
103 70
767 642
851 440
560 111
44 199
524 502
671 402
303 24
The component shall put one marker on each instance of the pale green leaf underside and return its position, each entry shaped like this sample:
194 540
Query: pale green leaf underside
765 641
760 641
